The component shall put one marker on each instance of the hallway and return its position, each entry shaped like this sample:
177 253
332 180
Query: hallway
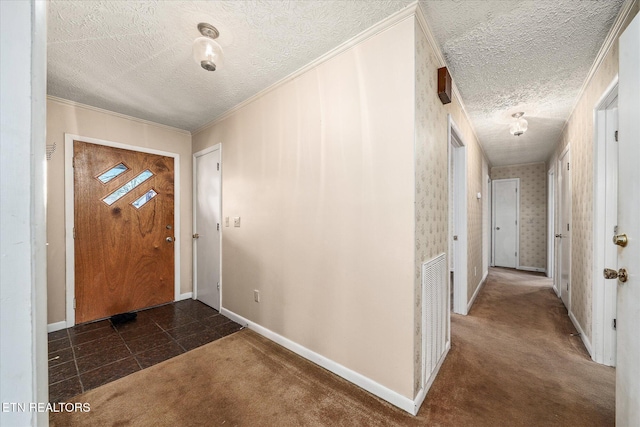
514 361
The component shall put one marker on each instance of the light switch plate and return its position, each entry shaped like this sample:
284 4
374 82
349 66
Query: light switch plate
226 221
236 221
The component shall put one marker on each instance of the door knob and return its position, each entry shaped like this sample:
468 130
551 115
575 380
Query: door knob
559 236
621 274
195 236
169 239
497 228
620 240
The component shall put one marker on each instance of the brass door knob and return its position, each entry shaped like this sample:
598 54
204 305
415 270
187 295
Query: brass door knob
620 240
621 274
169 239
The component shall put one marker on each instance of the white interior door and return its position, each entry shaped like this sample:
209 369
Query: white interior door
206 226
628 354
563 234
505 222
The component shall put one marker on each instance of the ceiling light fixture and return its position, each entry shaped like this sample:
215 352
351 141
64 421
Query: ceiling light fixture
206 52
519 126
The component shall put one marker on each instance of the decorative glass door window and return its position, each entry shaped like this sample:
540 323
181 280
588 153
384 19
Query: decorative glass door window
112 173
140 202
125 189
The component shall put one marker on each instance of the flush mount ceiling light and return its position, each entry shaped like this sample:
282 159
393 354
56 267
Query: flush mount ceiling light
519 126
206 51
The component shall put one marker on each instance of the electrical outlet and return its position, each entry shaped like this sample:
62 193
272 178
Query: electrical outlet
226 221
236 221
256 295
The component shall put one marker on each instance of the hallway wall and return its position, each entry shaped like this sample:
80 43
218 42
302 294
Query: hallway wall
67 117
533 212
321 170
578 134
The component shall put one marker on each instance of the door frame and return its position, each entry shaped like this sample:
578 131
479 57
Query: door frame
69 215
493 220
600 304
559 226
551 229
200 153
458 149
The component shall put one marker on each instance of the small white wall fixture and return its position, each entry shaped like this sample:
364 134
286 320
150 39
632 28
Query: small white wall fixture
69 214
458 230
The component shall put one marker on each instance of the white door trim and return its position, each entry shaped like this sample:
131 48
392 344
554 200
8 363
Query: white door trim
551 194
208 150
600 305
69 214
493 219
560 227
458 149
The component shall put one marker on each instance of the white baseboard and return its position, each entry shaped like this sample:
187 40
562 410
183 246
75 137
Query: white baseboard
538 269
186 295
585 339
57 326
395 398
475 294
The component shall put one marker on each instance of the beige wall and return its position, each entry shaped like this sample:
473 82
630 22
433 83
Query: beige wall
66 118
533 211
578 134
320 170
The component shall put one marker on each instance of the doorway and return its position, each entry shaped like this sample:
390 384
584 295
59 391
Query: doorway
563 229
122 215
123 230
207 187
506 207
605 223
457 219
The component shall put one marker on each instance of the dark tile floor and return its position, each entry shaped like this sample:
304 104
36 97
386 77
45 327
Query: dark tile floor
92 354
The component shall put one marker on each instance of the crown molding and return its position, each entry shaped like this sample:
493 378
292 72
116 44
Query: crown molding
612 37
407 12
424 26
114 114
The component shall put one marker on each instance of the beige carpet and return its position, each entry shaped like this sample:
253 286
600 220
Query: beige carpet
512 363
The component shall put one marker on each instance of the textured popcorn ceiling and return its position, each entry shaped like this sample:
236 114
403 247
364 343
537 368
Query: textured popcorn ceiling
510 56
134 57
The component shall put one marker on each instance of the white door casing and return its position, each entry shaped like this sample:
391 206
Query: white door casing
628 350
207 225
605 219
505 222
550 222
563 231
458 223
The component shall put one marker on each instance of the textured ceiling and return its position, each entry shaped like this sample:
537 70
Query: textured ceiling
510 56
134 57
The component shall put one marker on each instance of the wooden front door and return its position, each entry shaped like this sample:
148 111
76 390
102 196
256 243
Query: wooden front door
124 212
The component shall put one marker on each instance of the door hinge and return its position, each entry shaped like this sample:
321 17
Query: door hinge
615 134
567 166
218 166
516 253
74 232
614 324
218 285
218 226
73 162
516 222
567 227
74 303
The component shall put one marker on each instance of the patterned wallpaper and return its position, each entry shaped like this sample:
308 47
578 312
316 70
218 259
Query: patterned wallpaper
431 178
578 134
533 210
432 200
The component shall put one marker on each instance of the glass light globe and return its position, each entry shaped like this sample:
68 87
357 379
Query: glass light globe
207 53
518 127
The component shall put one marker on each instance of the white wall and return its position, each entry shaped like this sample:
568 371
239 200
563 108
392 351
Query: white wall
320 170
23 339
